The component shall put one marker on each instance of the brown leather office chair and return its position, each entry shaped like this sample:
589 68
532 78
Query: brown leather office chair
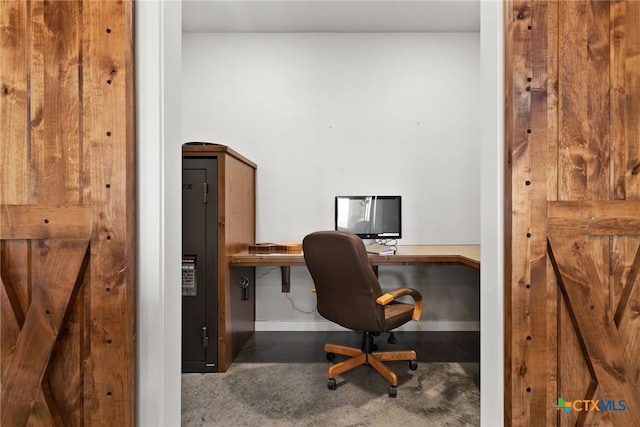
349 294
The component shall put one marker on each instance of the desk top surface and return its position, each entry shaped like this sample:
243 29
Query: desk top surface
405 255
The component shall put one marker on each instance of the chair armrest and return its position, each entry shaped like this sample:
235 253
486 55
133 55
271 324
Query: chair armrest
397 293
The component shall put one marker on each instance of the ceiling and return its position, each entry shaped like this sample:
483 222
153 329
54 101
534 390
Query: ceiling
339 16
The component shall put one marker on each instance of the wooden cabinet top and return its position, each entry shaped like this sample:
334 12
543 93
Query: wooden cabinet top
214 150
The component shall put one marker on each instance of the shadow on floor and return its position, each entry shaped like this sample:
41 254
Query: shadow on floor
307 347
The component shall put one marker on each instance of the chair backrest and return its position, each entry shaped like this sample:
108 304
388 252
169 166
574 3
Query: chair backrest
346 286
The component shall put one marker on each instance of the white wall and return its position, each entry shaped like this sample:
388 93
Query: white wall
330 114
492 196
159 172
451 296
337 114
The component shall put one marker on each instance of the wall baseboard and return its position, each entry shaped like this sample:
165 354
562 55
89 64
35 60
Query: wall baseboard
441 326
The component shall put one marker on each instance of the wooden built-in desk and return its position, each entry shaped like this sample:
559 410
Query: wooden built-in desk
406 255
468 255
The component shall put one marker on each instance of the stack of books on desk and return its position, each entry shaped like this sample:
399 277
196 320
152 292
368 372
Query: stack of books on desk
381 249
275 248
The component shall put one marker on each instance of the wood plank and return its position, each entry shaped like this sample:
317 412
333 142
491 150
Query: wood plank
510 56
9 328
584 160
632 91
239 203
57 276
625 116
14 261
588 304
523 27
55 111
626 315
236 220
64 380
547 54
620 122
541 338
108 129
56 170
588 217
25 222
225 310
14 140
626 273
574 377
41 412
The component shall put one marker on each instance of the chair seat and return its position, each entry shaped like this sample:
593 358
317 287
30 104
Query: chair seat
397 314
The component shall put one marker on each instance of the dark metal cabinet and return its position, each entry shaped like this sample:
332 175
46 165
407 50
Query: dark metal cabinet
199 265
218 208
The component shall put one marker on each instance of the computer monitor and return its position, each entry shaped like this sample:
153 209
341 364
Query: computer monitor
369 217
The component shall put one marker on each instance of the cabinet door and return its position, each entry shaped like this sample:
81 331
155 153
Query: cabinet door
199 275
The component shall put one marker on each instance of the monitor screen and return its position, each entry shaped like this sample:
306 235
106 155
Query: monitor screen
369 217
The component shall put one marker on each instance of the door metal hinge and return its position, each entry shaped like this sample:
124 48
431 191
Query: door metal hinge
205 192
205 338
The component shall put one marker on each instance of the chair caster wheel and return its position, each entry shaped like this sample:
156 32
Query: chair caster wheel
413 365
331 383
331 356
393 391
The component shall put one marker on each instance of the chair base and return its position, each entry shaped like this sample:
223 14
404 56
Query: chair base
358 357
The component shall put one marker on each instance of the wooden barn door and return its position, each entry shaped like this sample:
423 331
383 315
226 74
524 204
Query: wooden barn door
67 349
572 303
